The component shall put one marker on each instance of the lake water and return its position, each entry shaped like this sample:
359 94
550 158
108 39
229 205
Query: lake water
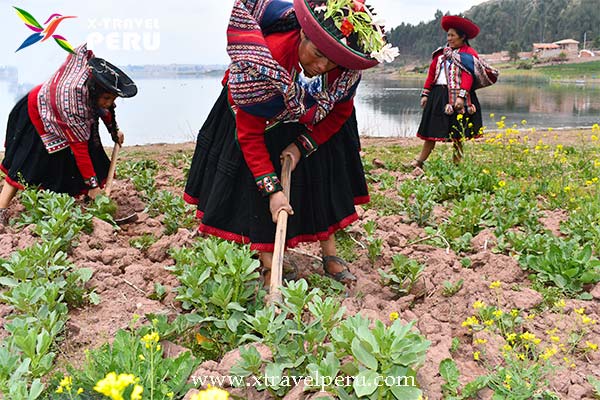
172 110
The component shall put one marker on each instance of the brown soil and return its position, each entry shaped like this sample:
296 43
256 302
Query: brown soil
124 278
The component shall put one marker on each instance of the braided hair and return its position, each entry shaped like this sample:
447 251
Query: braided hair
96 91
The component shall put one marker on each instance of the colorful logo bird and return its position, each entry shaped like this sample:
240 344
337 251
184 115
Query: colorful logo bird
43 32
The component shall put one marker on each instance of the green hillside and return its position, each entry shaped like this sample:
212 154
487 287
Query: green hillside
503 22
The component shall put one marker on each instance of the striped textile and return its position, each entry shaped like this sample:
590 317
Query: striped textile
256 79
64 104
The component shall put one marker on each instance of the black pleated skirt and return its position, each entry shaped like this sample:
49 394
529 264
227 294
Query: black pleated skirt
27 163
439 126
325 187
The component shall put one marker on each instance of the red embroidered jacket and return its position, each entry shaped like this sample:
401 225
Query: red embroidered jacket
79 148
458 77
251 128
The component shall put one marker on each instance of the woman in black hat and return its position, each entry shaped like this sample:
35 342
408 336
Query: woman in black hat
52 138
451 109
289 90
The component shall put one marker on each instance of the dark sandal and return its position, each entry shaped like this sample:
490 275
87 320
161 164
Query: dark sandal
344 276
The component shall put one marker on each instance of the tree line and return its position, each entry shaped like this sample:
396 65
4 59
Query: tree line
508 24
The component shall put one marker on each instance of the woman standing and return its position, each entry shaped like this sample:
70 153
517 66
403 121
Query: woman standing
288 91
451 109
52 138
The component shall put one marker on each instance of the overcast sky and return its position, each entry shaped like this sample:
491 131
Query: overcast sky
163 32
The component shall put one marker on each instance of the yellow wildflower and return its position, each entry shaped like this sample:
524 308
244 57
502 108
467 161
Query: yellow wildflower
150 339
113 386
492 115
524 122
80 390
136 394
212 393
521 356
594 138
555 339
587 320
470 321
498 313
496 284
527 337
476 356
549 352
595 127
488 322
480 341
514 312
478 305
394 316
591 346
511 337
507 347
459 117
580 311
66 383
526 151
501 184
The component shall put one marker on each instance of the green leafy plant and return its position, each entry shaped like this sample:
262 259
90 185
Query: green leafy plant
104 208
309 338
143 242
373 244
139 353
403 274
595 382
218 284
451 389
418 201
176 212
450 289
566 266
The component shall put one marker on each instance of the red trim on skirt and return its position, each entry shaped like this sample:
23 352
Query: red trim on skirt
21 187
190 200
9 180
290 243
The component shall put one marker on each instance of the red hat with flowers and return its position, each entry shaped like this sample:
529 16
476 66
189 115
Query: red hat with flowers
345 31
462 24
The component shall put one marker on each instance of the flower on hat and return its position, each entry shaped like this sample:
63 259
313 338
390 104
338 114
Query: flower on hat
347 28
355 17
359 5
386 54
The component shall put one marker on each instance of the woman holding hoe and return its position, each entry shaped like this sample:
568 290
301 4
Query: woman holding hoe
52 138
289 91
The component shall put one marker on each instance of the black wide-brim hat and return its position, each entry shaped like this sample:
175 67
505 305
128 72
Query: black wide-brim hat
463 24
112 78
